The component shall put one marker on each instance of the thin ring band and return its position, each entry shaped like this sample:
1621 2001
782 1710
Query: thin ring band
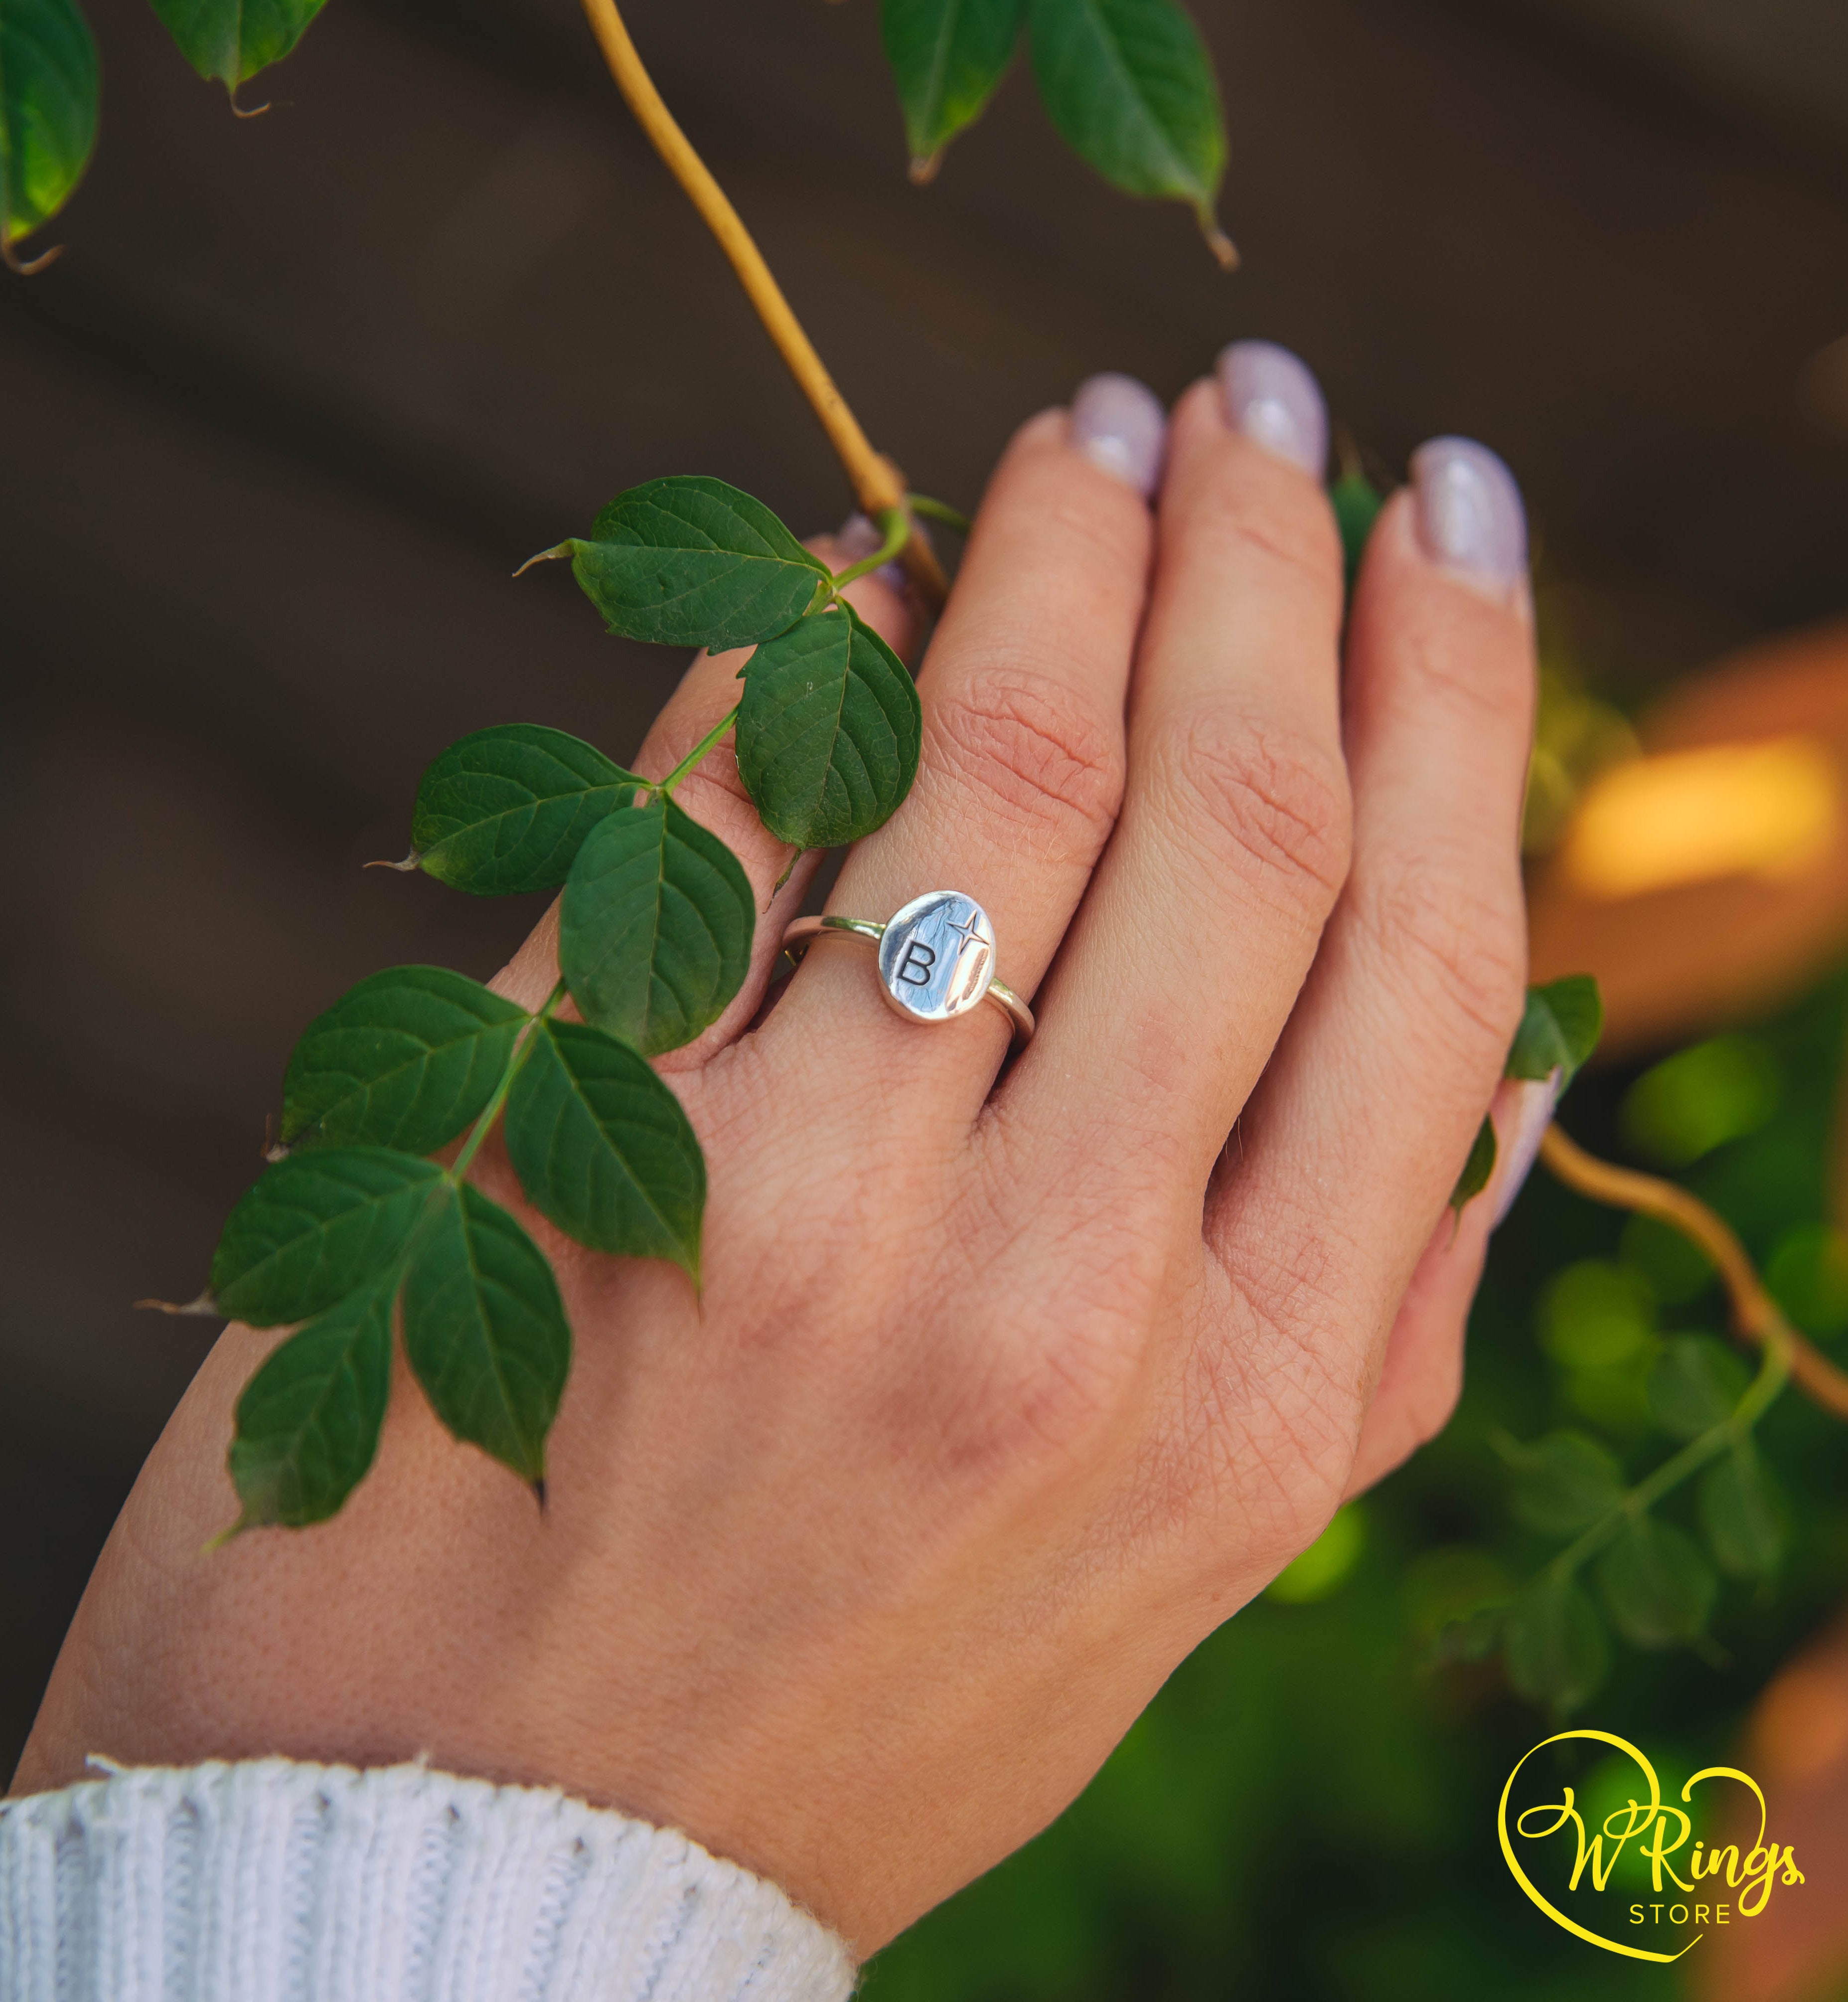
798 936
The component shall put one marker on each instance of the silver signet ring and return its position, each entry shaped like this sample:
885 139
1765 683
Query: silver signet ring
937 959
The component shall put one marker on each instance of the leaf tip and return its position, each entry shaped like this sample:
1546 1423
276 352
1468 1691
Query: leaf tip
558 549
411 860
539 1495
238 110
924 167
204 1304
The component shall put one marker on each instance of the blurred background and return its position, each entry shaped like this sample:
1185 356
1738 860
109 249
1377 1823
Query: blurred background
303 391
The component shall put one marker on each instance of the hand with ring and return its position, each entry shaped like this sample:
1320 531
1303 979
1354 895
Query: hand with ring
1011 1378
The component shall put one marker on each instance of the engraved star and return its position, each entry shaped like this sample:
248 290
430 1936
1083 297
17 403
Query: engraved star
968 931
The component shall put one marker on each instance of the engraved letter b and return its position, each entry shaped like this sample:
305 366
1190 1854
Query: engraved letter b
921 956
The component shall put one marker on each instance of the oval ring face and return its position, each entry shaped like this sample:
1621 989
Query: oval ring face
937 957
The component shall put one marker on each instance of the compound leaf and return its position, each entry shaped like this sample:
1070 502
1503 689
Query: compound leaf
317 1226
947 56
1658 1588
1743 1525
232 39
1477 1169
1559 1030
1557 1650
1130 87
506 811
1562 1483
485 1331
47 111
689 561
1695 1384
655 929
406 1059
602 1148
828 731
308 1422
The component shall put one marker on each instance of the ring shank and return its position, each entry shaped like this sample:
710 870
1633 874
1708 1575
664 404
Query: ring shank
800 935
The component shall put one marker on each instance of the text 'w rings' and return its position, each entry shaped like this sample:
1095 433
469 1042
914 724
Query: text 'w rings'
937 958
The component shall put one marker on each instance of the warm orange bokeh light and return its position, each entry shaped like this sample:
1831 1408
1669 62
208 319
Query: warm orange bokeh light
1768 809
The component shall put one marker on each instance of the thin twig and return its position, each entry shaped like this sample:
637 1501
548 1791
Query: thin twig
877 483
1756 1316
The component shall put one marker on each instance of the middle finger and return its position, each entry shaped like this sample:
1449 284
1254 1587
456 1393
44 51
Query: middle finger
1202 922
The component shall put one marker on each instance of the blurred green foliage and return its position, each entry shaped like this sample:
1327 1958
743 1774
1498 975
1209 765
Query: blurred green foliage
1306 1812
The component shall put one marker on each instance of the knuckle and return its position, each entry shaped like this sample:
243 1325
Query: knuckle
1463 948
1273 808
1292 534
1036 753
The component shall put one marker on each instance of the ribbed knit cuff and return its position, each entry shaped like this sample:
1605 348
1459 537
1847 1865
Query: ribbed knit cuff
272 1882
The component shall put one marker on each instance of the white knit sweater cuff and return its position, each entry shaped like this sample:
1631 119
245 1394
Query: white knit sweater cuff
272 1882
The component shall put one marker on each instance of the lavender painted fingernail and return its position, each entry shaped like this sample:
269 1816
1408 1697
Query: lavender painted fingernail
1273 399
1522 1112
1469 514
1119 424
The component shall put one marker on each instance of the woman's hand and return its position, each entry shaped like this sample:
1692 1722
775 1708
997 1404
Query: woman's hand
999 1396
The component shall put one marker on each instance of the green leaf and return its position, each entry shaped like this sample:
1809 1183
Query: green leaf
1129 86
317 1225
485 1332
828 731
232 39
47 111
1743 1525
654 932
1357 502
1563 1483
1695 1384
406 1059
505 812
1477 1169
1557 1652
308 1422
1658 1588
1559 1030
691 562
947 57
602 1148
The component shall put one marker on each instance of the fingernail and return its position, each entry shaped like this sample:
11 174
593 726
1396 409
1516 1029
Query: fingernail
1469 514
1119 424
859 536
1522 1112
1273 399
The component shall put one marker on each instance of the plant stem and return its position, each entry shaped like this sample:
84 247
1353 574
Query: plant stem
1756 1317
491 1111
897 527
698 751
940 510
877 483
1773 1373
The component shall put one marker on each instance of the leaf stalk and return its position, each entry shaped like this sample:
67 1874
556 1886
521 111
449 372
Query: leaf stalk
698 751
897 527
491 1111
